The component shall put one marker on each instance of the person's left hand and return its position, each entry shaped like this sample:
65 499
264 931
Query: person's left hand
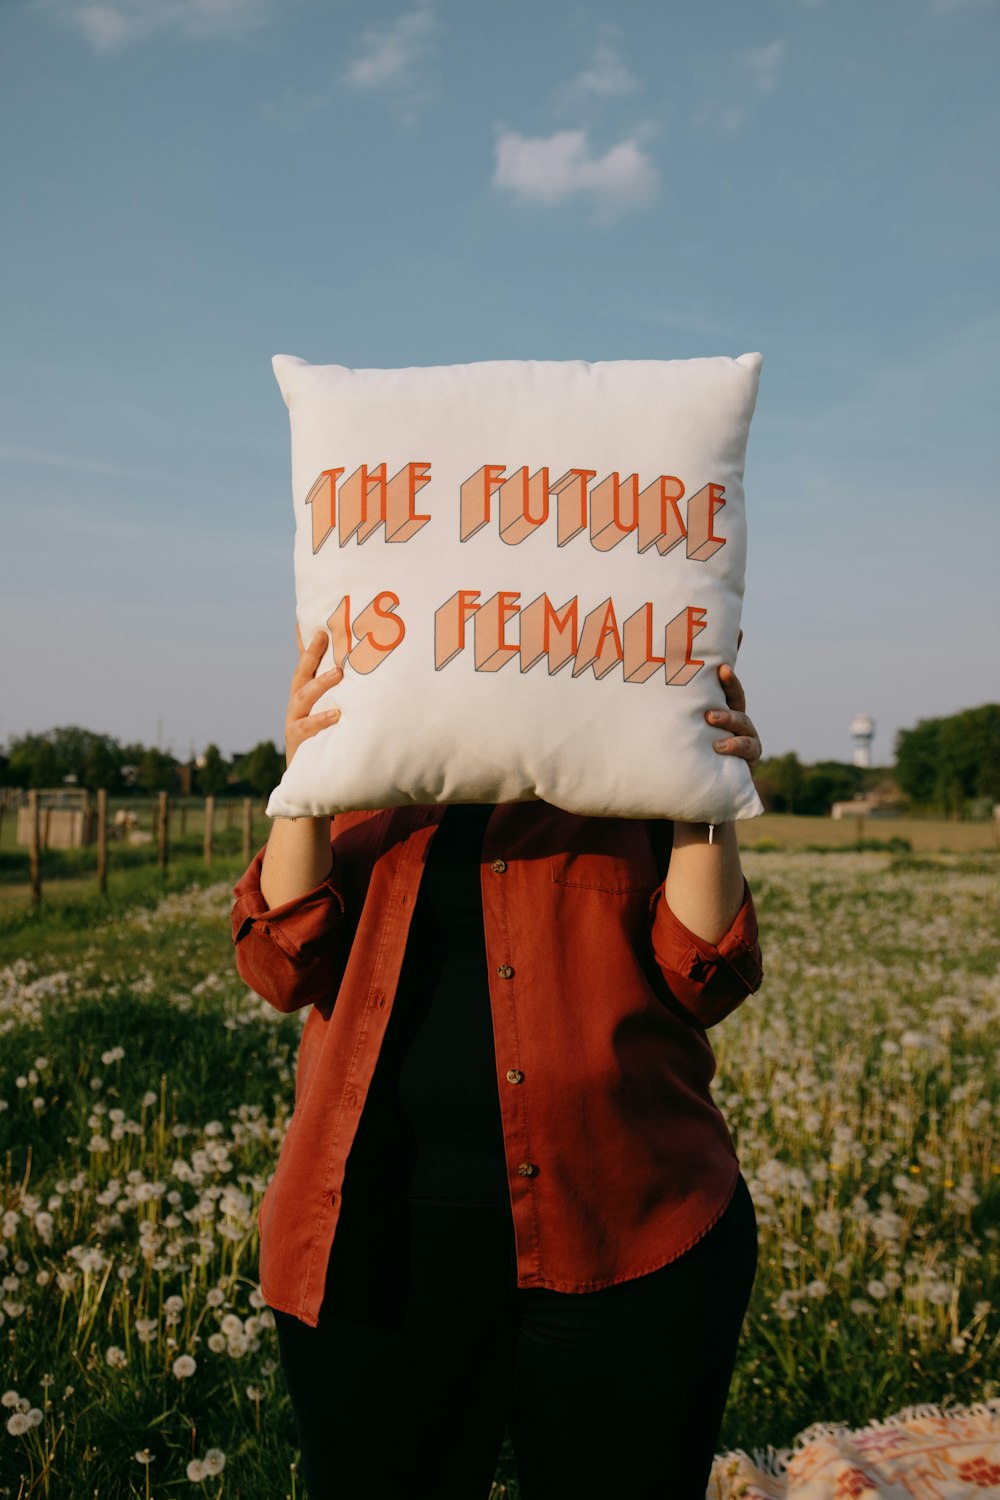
744 740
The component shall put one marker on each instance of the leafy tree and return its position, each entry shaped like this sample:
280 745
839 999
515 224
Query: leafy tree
828 782
917 752
947 762
47 760
156 771
780 780
34 763
969 751
213 774
263 767
102 768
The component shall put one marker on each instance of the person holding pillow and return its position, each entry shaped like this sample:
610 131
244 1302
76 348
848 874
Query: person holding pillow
506 1197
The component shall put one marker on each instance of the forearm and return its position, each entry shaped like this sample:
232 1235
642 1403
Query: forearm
298 857
704 884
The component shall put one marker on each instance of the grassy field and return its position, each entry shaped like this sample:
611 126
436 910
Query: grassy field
924 835
144 1092
69 875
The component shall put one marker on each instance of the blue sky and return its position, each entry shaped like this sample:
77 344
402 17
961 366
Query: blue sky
191 186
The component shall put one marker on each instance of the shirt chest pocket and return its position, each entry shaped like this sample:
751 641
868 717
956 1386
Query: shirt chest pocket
608 854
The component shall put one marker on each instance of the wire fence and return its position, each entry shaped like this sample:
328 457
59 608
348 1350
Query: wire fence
68 832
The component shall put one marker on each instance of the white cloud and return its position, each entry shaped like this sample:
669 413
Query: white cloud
607 77
725 109
393 59
551 169
762 63
122 23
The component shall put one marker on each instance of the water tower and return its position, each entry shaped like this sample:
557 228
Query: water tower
862 733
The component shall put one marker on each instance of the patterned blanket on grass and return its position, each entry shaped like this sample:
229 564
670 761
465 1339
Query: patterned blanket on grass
921 1453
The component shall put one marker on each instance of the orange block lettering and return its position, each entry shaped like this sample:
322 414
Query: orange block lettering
339 626
637 633
607 526
355 517
571 504
493 651
680 665
702 540
323 499
524 505
378 632
449 625
600 643
660 520
539 622
401 519
475 498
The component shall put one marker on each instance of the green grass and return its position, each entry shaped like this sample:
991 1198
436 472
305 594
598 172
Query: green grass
144 1092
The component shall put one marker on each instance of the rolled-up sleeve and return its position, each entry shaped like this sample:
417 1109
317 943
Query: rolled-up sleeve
709 979
290 955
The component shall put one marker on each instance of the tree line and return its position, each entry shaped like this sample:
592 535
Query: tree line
83 758
948 766
947 763
942 765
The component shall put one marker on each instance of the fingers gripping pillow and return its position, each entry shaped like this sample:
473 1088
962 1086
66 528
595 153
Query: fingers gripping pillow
529 572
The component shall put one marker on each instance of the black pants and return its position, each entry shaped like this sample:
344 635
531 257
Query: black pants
426 1349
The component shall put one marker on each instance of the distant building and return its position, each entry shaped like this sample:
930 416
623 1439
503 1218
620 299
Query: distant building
882 801
862 733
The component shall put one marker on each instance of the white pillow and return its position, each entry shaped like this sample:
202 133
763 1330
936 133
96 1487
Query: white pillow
512 631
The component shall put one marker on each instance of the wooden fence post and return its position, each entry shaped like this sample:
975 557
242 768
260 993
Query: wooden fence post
247 828
230 812
34 852
184 816
163 821
209 822
102 841
46 820
3 808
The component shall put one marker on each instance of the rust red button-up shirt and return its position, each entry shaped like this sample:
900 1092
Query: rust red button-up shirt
618 1157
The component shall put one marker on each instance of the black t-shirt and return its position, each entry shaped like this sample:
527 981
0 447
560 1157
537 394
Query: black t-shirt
431 1126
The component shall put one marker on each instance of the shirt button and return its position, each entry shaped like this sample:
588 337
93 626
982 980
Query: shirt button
505 971
515 1075
527 1169
498 866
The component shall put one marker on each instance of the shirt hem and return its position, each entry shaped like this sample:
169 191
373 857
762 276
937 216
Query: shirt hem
553 1284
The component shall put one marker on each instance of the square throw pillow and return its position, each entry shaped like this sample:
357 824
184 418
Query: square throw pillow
529 572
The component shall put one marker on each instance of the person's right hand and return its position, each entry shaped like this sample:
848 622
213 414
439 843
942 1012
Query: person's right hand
300 724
